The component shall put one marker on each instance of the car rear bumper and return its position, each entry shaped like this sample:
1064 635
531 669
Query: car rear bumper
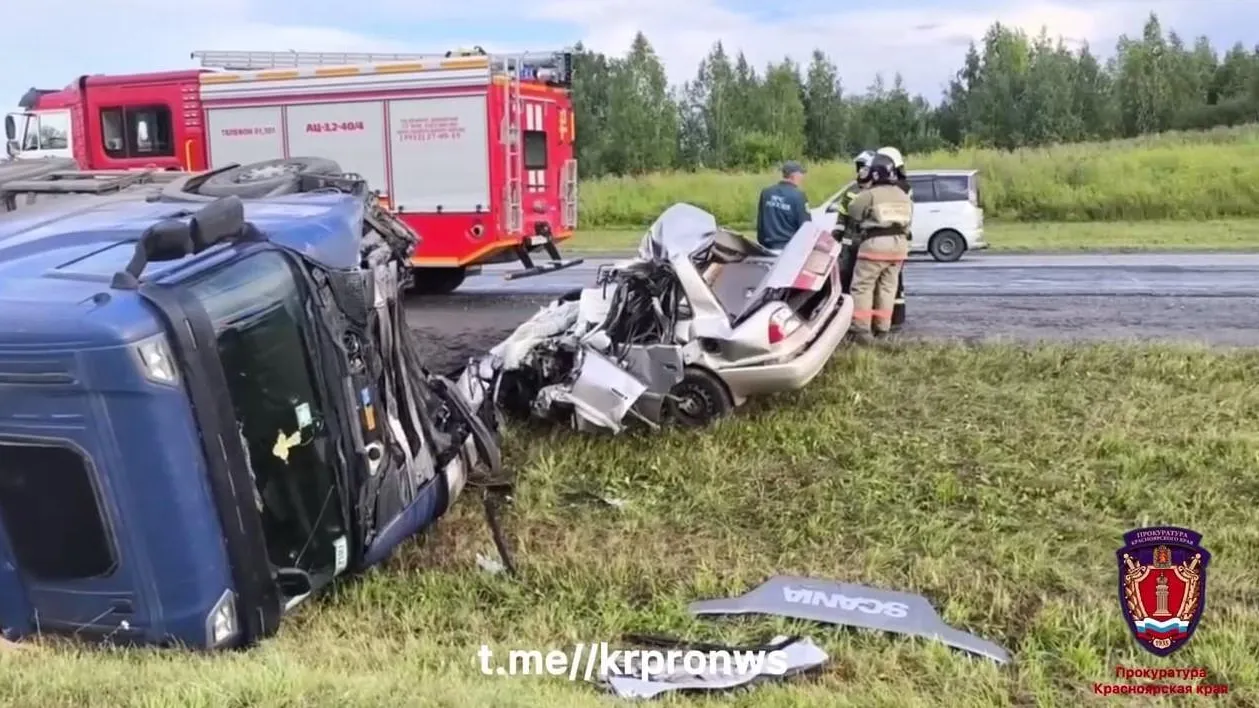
976 242
797 371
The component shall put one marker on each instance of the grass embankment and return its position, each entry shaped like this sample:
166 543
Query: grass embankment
995 480
1014 237
1197 175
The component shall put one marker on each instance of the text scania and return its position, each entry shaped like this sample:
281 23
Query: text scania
834 600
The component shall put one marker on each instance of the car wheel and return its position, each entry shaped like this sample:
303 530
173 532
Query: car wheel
437 281
699 399
946 246
265 179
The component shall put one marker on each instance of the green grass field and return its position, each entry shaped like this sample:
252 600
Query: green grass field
1014 237
1200 175
995 480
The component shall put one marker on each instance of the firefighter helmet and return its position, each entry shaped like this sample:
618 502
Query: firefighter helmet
898 160
882 170
862 162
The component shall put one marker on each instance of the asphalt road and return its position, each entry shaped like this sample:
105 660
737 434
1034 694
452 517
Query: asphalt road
1211 298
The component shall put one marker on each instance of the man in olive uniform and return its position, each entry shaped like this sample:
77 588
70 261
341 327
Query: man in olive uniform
883 214
902 181
845 225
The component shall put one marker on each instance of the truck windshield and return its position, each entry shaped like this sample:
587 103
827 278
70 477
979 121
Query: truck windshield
257 311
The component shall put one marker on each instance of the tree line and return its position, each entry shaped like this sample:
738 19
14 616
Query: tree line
1013 90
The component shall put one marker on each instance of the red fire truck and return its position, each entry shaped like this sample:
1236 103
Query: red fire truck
474 151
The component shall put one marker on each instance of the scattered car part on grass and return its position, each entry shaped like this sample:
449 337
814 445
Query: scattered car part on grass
210 408
799 655
838 603
685 332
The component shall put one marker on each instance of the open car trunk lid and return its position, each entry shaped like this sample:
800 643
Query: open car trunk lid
804 265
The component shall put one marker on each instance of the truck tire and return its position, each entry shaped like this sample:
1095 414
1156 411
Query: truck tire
946 245
265 179
30 169
437 281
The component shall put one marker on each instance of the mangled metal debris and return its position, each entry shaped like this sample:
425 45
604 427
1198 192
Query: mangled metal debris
850 605
702 319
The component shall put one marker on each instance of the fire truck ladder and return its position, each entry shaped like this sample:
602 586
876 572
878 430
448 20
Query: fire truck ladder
531 64
513 207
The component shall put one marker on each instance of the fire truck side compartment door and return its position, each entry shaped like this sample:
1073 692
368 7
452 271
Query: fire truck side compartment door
350 133
244 135
440 151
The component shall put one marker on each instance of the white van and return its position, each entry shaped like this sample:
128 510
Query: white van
948 220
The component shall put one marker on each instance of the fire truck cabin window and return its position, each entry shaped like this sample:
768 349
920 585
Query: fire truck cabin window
138 131
535 150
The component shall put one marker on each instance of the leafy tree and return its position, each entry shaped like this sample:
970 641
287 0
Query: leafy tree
1011 90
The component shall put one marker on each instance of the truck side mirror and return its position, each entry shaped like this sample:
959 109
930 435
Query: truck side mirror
11 148
10 128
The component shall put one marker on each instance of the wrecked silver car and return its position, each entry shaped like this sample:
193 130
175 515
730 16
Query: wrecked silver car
699 321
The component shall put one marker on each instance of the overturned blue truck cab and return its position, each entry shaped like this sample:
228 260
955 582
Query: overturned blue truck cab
209 410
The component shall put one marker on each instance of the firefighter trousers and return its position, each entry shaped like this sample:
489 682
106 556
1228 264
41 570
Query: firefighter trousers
874 282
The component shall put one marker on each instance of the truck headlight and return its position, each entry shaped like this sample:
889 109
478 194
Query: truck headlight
156 362
220 624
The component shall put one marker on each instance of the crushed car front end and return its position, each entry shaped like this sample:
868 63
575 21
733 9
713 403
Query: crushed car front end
701 319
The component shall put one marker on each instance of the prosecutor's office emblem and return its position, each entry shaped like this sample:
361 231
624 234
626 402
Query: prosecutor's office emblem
1162 586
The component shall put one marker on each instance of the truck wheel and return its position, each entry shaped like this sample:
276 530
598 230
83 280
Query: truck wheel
698 399
437 281
946 246
265 179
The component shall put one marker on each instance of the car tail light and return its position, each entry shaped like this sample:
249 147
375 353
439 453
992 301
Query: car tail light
818 263
781 325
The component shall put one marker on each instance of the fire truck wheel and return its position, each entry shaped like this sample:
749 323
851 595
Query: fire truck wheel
265 179
436 281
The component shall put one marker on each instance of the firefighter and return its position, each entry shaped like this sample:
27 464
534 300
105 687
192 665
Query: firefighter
902 181
883 215
782 209
848 230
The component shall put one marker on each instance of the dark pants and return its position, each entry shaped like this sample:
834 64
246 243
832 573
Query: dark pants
848 262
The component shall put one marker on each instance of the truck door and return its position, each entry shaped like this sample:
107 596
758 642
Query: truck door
259 321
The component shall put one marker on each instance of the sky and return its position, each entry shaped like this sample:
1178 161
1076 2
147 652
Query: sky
923 40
